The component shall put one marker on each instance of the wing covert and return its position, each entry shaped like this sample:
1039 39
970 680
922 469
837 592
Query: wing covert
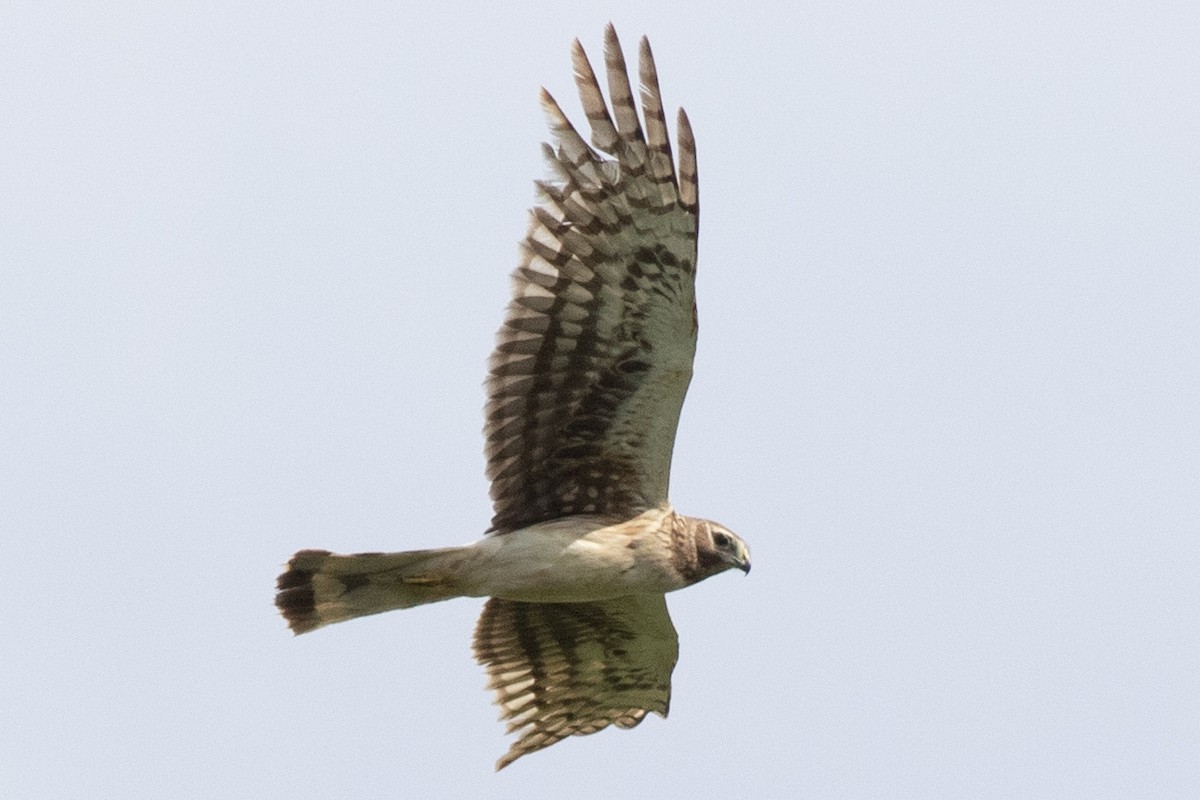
595 354
570 669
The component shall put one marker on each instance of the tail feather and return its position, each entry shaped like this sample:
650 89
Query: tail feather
319 588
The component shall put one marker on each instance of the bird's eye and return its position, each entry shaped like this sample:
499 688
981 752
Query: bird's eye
721 540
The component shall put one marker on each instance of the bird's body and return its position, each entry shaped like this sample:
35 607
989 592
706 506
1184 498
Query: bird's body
585 387
579 560
571 560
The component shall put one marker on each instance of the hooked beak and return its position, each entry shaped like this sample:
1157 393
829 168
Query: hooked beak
743 562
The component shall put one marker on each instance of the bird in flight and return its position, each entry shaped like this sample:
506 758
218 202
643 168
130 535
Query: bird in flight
584 390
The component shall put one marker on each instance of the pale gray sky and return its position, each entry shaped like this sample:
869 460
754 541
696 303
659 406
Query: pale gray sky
252 256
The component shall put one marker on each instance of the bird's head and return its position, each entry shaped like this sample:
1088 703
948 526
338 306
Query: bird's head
720 549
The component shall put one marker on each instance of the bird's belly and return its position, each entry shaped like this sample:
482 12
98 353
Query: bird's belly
568 568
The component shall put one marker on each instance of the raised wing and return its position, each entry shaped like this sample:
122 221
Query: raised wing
563 669
595 354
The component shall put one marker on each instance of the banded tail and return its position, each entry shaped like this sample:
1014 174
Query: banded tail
319 588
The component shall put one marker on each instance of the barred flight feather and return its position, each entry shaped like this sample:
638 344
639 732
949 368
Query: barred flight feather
595 354
570 669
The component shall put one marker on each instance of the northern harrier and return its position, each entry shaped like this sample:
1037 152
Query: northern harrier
584 389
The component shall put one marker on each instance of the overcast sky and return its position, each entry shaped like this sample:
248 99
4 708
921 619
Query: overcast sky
252 258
